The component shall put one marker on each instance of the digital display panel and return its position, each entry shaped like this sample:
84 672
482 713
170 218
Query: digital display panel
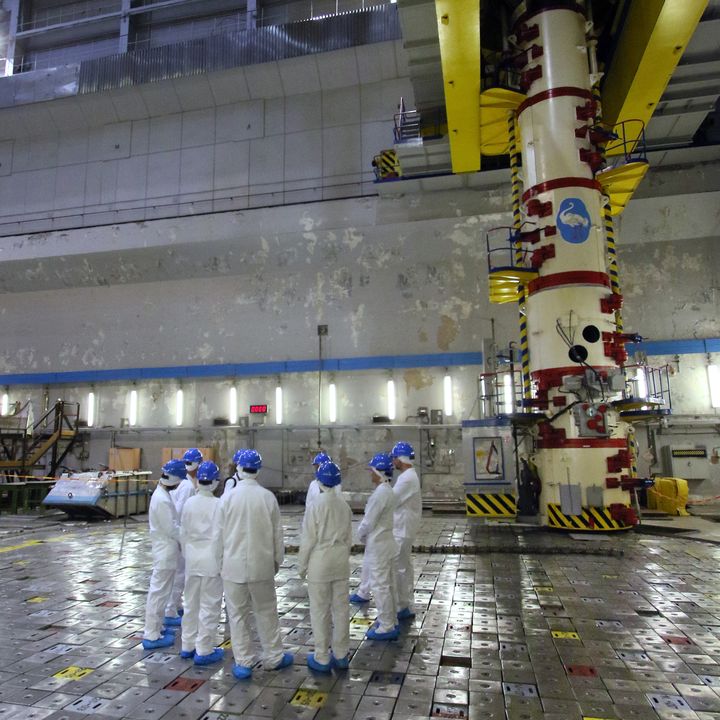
258 409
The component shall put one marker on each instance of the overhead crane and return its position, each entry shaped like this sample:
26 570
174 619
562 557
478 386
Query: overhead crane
573 130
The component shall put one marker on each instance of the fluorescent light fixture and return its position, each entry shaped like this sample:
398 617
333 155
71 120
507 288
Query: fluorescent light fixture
714 380
508 393
133 414
232 409
447 396
179 407
332 403
641 385
391 404
278 405
5 404
91 409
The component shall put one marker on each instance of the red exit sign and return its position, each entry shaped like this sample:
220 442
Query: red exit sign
258 409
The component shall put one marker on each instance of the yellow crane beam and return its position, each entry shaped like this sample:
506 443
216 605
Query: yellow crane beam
652 40
459 34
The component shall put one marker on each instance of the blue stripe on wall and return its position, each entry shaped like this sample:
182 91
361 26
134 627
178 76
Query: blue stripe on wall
676 347
379 362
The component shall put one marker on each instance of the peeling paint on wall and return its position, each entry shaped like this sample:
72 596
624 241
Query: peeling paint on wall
447 332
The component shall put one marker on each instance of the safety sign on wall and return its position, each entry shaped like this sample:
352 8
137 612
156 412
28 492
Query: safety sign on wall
487 453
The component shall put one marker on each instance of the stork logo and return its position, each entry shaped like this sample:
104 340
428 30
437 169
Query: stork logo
573 220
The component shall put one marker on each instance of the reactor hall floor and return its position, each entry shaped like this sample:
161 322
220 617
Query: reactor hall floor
510 624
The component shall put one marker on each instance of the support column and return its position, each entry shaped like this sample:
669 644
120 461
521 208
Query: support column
124 27
12 7
575 349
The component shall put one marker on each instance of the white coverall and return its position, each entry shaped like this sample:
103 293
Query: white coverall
252 538
324 558
312 494
203 584
376 531
165 542
408 516
185 490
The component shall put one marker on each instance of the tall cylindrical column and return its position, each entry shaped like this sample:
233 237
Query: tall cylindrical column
575 349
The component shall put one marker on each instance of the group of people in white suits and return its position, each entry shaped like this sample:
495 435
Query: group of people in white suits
204 546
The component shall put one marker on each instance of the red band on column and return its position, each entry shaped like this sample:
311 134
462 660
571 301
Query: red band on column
558 183
568 91
576 277
552 443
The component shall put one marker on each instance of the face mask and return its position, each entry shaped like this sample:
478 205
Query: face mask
191 466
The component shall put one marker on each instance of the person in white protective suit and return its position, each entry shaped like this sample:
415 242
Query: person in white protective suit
408 516
232 482
313 491
187 488
165 542
376 531
384 464
252 538
324 559
203 558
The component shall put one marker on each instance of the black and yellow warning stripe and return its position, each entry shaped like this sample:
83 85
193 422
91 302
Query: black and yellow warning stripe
516 185
387 164
591 518
493 505
612 261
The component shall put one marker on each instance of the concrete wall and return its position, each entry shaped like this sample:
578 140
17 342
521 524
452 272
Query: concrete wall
293 131
166 257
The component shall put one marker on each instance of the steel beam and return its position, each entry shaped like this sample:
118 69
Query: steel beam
652 40
459 35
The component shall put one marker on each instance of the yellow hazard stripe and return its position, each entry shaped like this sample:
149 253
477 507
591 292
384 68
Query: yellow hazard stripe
612 260
591 518
491 505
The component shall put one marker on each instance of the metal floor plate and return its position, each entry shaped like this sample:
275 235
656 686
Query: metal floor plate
510 624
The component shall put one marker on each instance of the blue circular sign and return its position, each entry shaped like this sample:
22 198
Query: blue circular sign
573 220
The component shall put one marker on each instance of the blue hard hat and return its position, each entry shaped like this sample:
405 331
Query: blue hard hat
176 468
320 458
328 474
382 462
403 449
208 472
193 455
249 460
236 456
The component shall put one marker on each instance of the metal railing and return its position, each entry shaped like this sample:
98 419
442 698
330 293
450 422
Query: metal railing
191 30
500 393
623 143
236 49
46 17
46 59
651 384
503 250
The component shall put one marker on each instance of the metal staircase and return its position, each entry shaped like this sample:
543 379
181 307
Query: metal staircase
25 450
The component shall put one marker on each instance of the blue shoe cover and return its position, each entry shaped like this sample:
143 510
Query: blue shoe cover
373 634
287 660
241 672
172 621
313 664
405 614
341 663
164 640
358 599
187 654
181 612
215 656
